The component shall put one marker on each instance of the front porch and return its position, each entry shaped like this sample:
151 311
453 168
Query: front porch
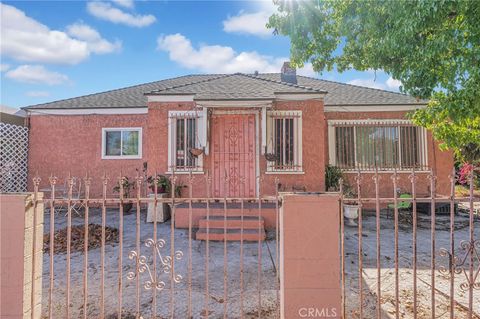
218 221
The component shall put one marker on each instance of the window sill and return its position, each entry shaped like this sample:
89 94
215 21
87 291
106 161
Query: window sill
384 171
185 172
284 172
106 157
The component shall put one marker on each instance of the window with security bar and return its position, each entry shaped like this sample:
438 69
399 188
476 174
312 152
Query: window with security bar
284 145
383 146
183 135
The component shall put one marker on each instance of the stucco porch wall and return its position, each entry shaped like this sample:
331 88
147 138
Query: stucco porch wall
313 152
63 144
440 161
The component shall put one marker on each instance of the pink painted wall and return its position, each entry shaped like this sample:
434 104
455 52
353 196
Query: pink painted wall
313 123
310 259
63 144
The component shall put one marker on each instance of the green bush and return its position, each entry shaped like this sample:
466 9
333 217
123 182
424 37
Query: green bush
333 174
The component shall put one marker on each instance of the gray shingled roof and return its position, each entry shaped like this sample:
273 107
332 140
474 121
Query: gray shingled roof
232 86
237 86
348 94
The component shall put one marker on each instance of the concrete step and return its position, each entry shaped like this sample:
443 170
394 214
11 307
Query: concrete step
231 234
232 222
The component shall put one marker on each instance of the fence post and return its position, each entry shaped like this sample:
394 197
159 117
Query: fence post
310 256
19 260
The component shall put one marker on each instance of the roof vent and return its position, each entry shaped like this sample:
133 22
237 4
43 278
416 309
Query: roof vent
255 73
288 74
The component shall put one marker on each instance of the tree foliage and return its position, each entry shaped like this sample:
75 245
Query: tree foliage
431 46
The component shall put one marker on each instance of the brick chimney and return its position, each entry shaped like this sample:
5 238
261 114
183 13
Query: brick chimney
288 74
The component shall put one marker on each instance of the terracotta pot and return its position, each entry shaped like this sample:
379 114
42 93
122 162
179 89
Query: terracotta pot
270 157
196 151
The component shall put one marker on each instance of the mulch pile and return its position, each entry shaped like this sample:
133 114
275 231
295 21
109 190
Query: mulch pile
77 243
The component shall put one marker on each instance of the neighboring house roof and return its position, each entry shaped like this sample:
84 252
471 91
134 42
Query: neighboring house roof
10 115
11 110
232 86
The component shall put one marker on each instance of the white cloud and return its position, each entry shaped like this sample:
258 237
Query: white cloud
393 84
125 3
36 74
219 59
4 67
37 94
26 39
248 23
95 42
105 11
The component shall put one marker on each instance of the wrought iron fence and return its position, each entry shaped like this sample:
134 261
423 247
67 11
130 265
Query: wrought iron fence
102 261
408 256
411 256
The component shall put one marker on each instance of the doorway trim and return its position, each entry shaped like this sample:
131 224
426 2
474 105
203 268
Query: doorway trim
255 112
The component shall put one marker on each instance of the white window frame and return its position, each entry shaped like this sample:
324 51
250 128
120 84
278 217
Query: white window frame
201 126
298 150
386 122
121 129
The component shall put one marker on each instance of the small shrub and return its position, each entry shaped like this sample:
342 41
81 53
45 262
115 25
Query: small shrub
333 174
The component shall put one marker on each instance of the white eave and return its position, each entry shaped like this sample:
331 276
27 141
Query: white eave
374 108
88 111
299 96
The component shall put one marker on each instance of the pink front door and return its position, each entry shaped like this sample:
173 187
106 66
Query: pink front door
233 155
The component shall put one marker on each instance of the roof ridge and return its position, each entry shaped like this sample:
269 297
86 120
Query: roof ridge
114 90
219 76
281 82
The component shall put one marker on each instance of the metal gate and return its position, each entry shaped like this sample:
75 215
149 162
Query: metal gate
414 256
108 262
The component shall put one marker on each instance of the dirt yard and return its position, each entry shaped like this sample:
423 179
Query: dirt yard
269 293
216 302
387 282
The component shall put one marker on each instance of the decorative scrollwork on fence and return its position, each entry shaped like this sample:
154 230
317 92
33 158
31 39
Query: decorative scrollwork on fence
458 265
166 265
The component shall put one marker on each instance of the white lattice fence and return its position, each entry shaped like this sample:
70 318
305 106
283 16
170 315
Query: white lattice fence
13 158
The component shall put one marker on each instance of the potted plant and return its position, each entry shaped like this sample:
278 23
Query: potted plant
127 187
333 174
350 211
162 182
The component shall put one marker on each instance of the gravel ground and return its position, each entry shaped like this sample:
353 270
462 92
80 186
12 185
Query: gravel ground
269 284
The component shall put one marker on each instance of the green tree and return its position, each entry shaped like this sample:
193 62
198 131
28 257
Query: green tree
431 46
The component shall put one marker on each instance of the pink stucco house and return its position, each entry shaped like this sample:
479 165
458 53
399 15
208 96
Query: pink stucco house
276 125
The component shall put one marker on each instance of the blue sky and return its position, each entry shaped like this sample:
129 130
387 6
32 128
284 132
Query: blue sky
52 50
